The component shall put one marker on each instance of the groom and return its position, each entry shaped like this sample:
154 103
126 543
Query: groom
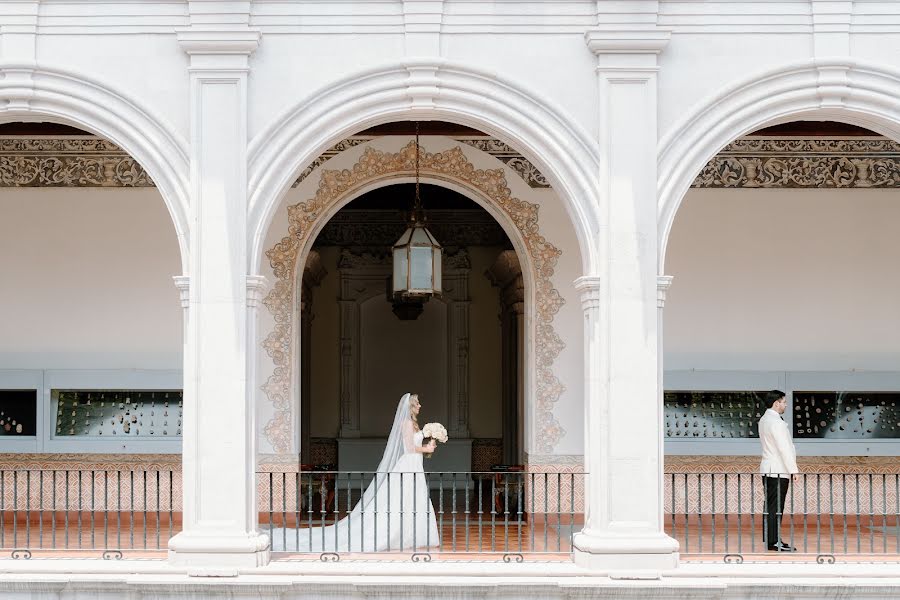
779 463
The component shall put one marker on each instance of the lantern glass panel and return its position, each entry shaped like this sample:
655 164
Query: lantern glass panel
420 267
401 268
438 285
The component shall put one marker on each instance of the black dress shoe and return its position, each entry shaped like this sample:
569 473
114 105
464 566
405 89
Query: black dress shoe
782 547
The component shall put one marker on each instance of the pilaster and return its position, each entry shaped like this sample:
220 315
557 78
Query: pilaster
219 444
623 530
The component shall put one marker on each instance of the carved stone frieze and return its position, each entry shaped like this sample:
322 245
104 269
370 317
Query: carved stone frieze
331 152
803 163
514 160
372 166
68 162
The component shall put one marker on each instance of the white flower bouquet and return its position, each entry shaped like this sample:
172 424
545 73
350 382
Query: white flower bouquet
433 431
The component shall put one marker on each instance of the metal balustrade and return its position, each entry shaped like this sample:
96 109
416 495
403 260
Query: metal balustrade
826 515
99 512
496 515
507 514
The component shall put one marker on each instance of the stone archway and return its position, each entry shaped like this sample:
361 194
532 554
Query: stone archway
489 186
524 119
839 90
70 98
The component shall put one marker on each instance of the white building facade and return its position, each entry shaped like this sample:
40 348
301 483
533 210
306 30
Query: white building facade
253 120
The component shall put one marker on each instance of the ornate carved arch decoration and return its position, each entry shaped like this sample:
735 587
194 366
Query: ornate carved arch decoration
373 165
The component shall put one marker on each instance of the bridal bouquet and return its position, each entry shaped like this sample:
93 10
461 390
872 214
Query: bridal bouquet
433 431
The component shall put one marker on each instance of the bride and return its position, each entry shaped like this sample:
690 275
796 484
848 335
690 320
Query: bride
395 512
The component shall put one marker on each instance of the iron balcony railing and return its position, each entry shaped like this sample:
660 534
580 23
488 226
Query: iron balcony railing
95 511
508 514
825 515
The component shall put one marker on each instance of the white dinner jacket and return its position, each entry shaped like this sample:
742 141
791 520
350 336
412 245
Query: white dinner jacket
778 454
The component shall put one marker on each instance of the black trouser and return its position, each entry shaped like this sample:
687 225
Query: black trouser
776 492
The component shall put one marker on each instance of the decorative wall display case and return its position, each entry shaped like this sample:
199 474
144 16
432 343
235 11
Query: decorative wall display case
18 413
846 415
117 413
713 414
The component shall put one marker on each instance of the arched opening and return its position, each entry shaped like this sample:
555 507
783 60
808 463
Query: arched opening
91 349
489 364
779 252
462 353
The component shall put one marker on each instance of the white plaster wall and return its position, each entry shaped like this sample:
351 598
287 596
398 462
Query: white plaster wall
555 225
726 60
289 69
151 69
784 280
87 276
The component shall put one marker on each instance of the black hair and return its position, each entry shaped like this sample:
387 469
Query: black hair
773 397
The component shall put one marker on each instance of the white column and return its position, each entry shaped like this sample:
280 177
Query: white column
219 444
623 414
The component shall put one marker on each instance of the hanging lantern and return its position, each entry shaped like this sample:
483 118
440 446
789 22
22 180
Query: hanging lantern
417 254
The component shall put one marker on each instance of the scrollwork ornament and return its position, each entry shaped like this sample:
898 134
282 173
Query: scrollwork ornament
68 163
373 165
803 163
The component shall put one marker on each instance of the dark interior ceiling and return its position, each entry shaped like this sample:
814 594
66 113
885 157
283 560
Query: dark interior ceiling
425 128
794 128
401 196
813 128
40 129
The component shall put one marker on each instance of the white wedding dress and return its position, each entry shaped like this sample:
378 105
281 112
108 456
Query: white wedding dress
394 514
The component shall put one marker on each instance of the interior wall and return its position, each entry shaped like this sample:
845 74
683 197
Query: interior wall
398 356
88 279
788 279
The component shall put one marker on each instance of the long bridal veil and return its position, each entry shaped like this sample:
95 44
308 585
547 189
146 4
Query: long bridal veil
354 528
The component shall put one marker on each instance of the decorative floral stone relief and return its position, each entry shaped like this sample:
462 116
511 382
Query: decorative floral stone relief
514 160
803 163
68 162
372 166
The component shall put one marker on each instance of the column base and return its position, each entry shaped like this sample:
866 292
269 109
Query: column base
213 553
626 555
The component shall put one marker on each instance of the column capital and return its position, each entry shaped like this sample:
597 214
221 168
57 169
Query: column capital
256 288
650 40
591 288
183 283
221 51
629 53
663 283
210 41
